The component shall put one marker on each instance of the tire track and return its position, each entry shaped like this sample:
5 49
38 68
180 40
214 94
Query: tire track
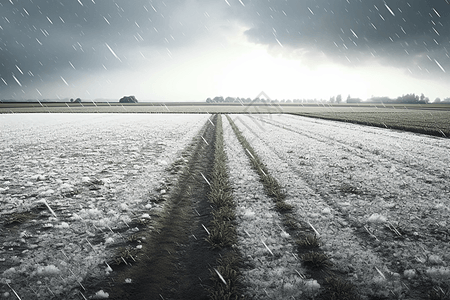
176 261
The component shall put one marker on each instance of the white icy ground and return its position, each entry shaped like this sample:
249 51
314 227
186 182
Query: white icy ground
266 275
342 177
114 164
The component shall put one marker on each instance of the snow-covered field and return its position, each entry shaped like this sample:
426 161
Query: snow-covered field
380 199
73 187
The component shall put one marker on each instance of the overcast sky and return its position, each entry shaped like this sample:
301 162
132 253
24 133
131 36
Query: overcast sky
188 50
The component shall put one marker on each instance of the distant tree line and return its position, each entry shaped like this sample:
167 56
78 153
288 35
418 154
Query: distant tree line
404 99
220 99
438 100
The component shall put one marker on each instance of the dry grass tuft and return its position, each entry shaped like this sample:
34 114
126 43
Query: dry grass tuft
291 223
339 289
225 213
222 234
225 278
309 242
316 260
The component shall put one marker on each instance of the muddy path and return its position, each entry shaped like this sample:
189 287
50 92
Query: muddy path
175 260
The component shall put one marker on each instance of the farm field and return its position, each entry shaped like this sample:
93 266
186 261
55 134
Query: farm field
431 122
104 177
378 199
120 206
431 119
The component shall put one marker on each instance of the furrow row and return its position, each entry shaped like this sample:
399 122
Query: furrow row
369 247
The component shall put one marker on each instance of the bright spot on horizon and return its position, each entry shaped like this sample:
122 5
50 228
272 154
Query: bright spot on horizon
283 78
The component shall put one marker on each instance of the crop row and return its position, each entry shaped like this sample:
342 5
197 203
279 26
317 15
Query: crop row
435 123
330 190
307 239
222 232
270 267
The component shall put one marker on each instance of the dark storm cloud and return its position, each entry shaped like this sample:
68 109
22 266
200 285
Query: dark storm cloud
411 34
40 40
44 40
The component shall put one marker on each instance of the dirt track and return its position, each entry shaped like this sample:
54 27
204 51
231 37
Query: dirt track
176 260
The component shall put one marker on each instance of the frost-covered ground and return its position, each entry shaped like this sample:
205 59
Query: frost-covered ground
272 269
74 188
379 198
99 174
